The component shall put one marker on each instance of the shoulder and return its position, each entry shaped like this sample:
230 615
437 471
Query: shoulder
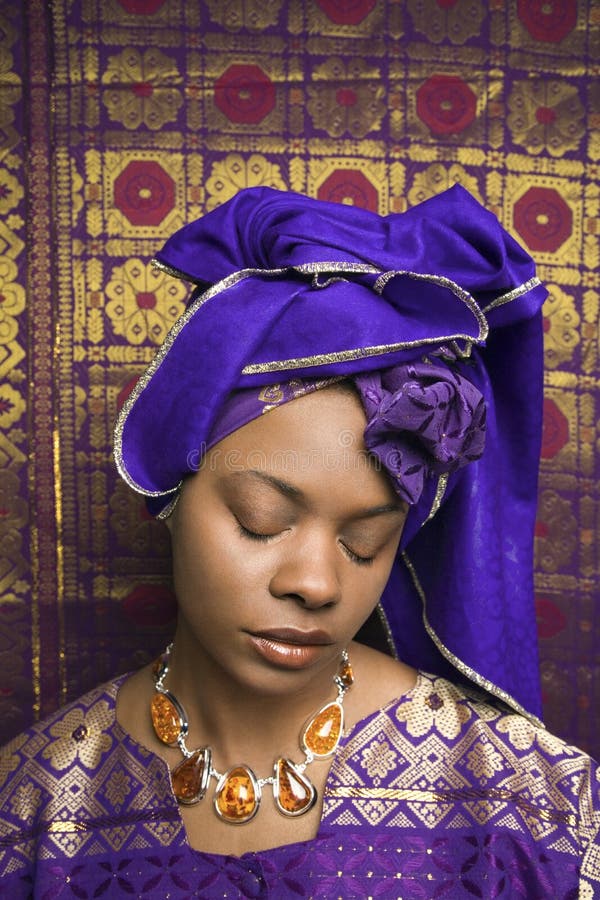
449 741
33 764
60 738
483 727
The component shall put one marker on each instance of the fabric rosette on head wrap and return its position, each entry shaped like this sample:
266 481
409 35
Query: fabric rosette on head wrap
434 314
423 420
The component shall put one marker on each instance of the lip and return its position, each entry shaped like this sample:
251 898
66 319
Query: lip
294 636
288 648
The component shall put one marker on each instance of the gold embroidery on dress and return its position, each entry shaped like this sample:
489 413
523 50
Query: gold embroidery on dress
424 765
66 827
492 795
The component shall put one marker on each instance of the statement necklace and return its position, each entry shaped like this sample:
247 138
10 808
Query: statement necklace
238 791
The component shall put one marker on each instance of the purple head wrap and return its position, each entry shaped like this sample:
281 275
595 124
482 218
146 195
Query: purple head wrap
422 420
435 316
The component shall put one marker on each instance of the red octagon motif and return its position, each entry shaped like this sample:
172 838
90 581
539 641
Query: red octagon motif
555 430
446 104
245 94
543 219
550 619
548 20
144 193
150 605
346 12
141 7
351 187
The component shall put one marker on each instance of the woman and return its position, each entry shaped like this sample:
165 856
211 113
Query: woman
345 419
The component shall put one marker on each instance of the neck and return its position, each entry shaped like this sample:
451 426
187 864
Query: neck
238 721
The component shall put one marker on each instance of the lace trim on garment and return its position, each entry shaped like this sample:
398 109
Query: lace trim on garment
298 362
458 663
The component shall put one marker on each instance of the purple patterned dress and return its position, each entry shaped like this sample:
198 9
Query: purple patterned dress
436 795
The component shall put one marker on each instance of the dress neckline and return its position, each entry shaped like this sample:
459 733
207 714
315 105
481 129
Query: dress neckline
421 680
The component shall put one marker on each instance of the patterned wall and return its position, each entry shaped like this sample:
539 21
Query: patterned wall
122 119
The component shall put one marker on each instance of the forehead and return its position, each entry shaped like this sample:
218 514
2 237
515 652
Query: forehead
314 443
330 418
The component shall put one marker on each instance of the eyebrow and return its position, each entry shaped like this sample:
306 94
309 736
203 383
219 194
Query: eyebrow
284 487
290 490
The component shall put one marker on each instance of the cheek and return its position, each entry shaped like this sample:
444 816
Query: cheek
374 579
212 558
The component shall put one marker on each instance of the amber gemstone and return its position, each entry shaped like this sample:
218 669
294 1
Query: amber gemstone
323 731
157 666
346 674
190 777
165 719
294 793
237 796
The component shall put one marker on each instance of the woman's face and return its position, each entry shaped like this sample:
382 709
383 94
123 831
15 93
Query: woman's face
283 542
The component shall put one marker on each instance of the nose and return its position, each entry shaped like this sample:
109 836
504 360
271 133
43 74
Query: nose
308 572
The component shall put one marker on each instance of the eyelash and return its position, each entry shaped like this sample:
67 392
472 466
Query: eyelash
359 560
254 535
263 538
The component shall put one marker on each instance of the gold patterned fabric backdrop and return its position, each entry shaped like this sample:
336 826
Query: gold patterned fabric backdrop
120 120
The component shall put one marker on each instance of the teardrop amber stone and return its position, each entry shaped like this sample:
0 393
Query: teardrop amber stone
346 674
323 731
237 796
165 719
190 777
294 793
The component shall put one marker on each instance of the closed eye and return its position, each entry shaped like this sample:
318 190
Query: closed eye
254 535
359 560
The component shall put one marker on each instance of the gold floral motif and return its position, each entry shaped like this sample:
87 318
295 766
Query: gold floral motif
80 736
134 527
347 98
14 507
139 89
445 715
9 761
561 321
118 788
437 178
378 759
76 193
11 192
79 409
143 301
271 394
483 760
12 406
554 746
546 115
556 532
230 175
457 21
12 300
251 14
25 798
